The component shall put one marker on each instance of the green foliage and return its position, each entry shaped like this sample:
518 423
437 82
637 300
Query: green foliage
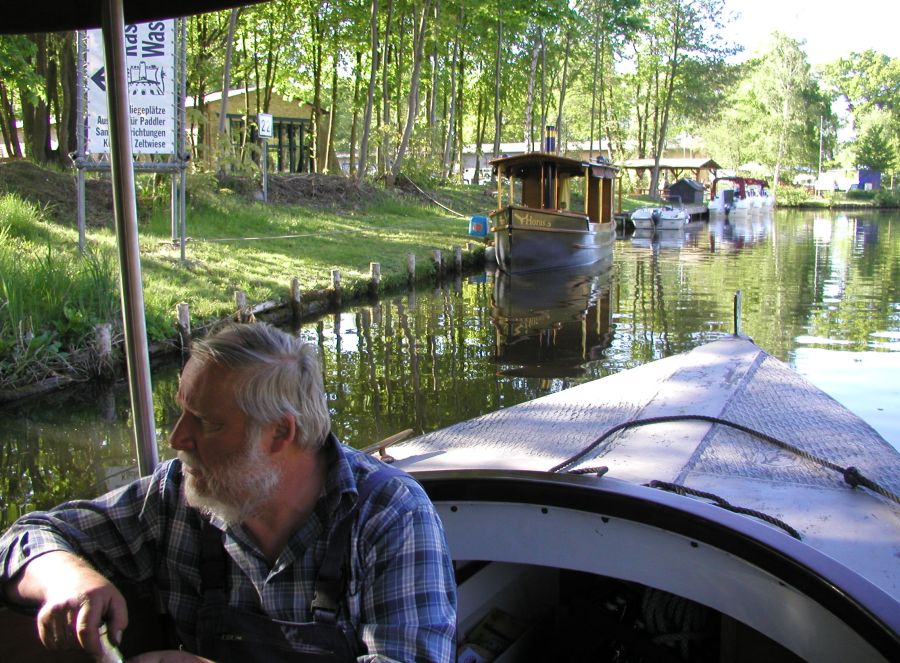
791 196
874 149
887 198
860 194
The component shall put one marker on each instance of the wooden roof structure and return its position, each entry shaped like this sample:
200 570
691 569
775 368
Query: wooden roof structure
675 166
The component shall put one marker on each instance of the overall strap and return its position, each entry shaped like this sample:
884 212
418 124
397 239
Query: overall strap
213 567
330 582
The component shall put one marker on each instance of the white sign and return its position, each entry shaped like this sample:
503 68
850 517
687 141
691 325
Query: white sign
264 122
150 74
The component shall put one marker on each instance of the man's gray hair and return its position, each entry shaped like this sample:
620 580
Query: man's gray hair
280 374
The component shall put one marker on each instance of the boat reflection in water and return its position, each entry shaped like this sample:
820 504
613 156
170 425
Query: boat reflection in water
549 324
740 232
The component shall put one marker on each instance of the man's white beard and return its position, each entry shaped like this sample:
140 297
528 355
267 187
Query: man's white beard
238 489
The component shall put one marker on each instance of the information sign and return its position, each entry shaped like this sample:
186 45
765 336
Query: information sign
264 123
152 97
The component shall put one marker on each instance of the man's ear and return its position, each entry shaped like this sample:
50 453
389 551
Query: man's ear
284 433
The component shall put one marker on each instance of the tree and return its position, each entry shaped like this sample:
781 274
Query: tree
17 52
875 149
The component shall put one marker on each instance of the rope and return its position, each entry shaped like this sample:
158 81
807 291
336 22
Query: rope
725 504
852 476
462 216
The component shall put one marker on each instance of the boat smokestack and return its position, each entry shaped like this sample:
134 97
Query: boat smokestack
550 140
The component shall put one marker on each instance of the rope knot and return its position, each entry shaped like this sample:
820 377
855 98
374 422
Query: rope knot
853 477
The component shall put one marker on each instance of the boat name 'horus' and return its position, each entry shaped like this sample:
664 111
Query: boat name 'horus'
531 220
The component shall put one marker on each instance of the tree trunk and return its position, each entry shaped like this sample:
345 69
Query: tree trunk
354 125
562 92
8 123
447 159
413 106
528 133
329 139
497 69
672 73
35 120
370 98
66 126
224 144
384 146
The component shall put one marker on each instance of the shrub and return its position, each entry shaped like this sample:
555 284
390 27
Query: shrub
860 194
887 198
790 196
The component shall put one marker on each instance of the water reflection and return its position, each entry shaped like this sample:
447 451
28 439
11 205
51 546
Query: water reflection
550 323
811 281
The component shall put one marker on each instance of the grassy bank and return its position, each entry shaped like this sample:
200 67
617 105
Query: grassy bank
51 298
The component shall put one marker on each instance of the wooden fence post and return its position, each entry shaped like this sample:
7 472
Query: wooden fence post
296 300
103 348
184 327
375 279
457 259
336 287
438 263
411 267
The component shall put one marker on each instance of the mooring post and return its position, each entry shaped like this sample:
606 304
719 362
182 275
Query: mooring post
103 348
738 297
242 313
438 263
336 287
183 311
296 299
375 278
411 267
457 259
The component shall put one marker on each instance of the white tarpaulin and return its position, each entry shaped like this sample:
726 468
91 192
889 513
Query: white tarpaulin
152 97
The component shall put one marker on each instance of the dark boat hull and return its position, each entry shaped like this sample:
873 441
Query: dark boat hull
528 240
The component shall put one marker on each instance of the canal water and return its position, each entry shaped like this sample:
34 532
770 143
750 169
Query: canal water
820 291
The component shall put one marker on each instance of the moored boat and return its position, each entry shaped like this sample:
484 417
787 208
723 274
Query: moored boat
731 197
662 218
713 500
553 212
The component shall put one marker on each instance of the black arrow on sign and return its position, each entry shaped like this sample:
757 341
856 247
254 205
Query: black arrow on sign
100 78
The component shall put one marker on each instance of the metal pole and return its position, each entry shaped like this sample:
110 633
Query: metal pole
182 121
265 169
80 138
125 206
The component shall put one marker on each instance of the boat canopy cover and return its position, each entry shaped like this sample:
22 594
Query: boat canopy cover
521 164
86 14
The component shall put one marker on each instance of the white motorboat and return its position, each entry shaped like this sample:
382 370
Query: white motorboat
730 197
693 508
662 218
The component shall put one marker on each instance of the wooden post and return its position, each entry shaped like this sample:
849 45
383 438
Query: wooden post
375 279
296 300
103 348
438 263
411 267
457 259
184 327
243 314
336 287
738 300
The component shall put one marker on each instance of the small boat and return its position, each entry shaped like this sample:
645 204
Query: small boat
691 508
553 212
662 218
734 200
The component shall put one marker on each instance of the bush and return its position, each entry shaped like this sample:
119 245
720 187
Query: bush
887 198
860 194
790 196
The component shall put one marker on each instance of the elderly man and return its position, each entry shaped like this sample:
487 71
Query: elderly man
266 539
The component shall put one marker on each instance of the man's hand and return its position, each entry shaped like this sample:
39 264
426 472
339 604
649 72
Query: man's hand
75 602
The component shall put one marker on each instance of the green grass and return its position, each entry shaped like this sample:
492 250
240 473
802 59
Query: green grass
51 298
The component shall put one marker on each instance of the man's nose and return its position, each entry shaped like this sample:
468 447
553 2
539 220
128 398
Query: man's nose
181 438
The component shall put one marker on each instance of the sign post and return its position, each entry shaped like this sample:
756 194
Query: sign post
264 127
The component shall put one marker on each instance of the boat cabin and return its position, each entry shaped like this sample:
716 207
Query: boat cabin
544 181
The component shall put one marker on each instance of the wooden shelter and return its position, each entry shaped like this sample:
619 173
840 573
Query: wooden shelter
701 169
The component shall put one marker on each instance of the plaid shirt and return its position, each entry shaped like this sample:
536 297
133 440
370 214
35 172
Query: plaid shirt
401 598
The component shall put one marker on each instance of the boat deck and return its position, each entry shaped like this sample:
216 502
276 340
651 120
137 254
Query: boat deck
731 379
